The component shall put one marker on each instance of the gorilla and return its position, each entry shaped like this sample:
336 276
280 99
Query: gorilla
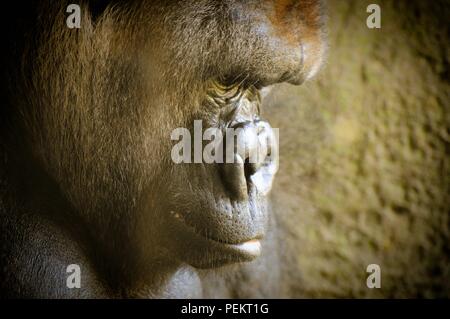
86 174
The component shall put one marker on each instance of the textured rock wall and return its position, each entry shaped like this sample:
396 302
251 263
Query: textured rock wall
364 158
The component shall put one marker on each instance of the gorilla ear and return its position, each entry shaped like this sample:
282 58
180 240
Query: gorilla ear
97 7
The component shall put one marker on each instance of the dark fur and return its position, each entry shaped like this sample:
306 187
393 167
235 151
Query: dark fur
86 144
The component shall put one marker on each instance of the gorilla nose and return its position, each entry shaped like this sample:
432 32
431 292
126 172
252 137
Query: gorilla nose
251 162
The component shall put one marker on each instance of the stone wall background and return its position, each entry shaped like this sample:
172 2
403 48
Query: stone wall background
364 156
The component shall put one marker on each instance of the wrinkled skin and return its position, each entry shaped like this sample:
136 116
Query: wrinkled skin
87 176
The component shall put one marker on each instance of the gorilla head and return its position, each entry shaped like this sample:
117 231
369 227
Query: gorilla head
96 107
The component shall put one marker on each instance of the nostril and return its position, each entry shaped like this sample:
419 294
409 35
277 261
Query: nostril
249 170
234 177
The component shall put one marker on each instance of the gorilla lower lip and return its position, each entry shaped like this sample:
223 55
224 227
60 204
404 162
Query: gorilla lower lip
252 247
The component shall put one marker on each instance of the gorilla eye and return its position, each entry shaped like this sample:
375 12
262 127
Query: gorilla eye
223 94
233 103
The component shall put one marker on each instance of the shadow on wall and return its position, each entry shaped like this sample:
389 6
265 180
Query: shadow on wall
364 159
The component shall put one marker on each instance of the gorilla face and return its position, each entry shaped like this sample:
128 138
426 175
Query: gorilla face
217 213
110 94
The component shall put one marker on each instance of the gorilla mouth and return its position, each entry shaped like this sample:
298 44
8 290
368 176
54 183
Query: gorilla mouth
209 251
244 244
